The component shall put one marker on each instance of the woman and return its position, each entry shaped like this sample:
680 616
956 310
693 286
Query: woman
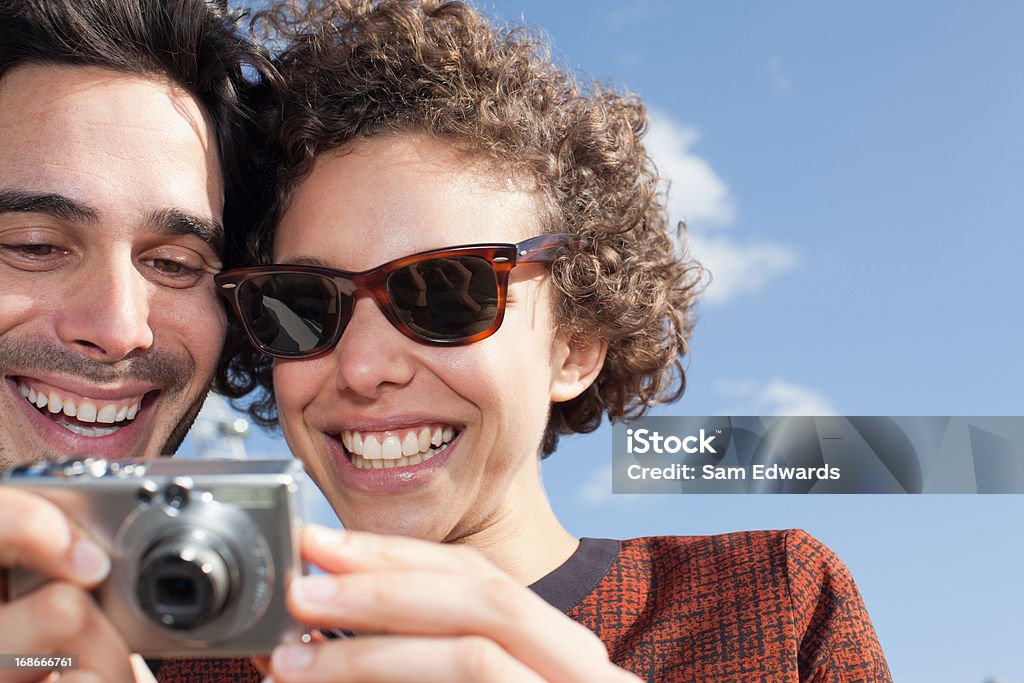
472 258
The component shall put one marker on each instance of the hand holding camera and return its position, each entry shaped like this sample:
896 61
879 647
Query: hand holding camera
429 612
61 617
199 553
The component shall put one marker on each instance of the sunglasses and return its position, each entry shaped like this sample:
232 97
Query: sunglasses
447 297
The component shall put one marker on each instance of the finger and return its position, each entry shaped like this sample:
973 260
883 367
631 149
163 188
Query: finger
399 660
62 619
141 670
348 551
36 535
445 604
80 677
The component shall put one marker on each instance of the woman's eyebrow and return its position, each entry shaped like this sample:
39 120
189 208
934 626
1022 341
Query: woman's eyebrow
306 261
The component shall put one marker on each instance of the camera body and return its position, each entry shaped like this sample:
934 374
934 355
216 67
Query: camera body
201 551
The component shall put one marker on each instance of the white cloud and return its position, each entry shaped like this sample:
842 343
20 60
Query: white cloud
778 397
697 194
739 268
701 198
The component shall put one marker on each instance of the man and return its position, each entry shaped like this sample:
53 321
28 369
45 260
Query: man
121 126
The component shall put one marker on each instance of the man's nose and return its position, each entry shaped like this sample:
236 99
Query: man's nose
106 316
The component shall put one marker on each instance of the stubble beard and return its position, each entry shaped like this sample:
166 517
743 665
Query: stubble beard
170 373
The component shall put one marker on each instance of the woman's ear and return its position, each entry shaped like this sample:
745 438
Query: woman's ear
576 365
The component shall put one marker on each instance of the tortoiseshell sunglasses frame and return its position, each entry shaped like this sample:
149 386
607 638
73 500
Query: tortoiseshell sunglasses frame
501 257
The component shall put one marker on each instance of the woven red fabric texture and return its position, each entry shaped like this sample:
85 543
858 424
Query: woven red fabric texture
765 606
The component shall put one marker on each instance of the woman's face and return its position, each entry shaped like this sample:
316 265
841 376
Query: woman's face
474 414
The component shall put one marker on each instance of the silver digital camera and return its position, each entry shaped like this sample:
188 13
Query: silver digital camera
201 551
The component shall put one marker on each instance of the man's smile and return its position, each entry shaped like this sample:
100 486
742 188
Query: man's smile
82 415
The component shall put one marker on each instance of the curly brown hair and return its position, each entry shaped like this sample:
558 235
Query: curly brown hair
360 68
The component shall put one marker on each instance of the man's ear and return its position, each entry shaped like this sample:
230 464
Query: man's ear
581 363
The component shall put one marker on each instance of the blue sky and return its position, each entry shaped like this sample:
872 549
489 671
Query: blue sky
852 175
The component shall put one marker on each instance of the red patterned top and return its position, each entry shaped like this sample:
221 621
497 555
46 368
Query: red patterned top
767 606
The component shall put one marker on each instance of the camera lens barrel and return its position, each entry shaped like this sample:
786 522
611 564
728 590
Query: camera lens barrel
183 583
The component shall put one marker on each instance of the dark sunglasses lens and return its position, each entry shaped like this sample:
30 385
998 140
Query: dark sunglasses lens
290 313
446 299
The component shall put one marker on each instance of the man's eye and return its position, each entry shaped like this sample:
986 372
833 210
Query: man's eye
33 250
33 255
39 249
175 271
172 267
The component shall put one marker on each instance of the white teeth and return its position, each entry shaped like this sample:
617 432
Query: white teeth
396 449
107 414
86 412
391 449
405 461
82 430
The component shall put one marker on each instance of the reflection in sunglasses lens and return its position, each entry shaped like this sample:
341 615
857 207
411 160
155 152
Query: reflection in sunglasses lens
290 312
446 298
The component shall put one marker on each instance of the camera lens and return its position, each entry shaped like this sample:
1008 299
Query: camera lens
177 591
176 496
183 583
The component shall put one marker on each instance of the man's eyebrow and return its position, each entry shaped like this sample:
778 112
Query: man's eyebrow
167 221
175 222
51 204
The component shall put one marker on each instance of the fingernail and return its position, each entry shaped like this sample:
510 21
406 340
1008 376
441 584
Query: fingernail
292 658
89 562
268 679
314 590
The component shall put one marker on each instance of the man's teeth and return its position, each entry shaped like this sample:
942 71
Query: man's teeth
376 451
82 430
83 410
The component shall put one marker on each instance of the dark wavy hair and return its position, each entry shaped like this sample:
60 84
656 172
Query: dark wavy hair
361 68
199 45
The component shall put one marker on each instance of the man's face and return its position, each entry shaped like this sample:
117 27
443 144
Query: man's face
110 207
